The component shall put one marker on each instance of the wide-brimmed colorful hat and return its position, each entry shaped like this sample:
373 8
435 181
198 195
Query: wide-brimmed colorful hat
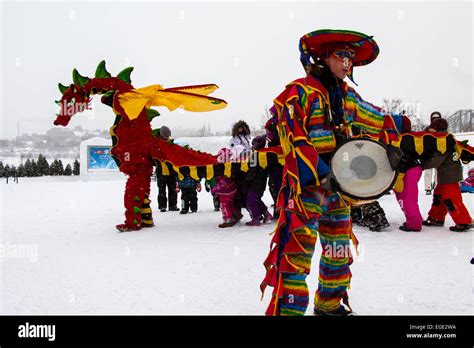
321 43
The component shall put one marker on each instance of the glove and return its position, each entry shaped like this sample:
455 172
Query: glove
329 182
177 188
394 155
198 187
398 187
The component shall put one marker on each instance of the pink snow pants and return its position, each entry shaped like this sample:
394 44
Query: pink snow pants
227 205
408 198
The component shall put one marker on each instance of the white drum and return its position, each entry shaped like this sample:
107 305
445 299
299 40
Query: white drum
362 169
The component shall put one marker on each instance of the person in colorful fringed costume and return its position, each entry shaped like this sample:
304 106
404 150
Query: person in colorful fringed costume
135 148
315 114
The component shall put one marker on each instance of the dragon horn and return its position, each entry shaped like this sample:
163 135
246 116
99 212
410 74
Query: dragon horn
101 71
124 75
78 79
62 88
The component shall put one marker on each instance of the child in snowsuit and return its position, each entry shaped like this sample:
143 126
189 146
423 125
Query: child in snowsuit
275 170
468 184
256 182
408 197
209 184
189 189
225 190
447 196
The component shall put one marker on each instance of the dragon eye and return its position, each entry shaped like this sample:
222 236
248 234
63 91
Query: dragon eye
71 101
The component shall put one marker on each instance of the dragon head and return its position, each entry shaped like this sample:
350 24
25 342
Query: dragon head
77 97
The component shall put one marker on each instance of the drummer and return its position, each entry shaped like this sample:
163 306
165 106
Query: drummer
315 114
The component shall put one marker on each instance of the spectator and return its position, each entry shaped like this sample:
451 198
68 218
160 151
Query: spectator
468 184
166 181
189 189
209 185
241 135
447 196
275 170
428 173
408 197
226 190
256 182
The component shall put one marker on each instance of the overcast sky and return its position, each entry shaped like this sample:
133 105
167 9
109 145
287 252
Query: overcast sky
249 49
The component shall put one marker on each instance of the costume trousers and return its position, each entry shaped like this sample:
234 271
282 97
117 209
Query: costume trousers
447 199
334 228
408 198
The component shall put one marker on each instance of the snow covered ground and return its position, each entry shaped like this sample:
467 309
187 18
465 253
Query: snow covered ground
60 254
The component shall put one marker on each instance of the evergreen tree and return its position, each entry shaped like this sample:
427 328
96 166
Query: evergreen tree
53 169
2 170
60 168
28 168
7 171
13 172
43 165
76 168
21 170
68 170
34 167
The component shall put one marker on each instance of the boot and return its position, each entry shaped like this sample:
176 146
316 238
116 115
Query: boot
253 223
175 208
432 222
126 228
460 227
267 217
339 312
408 229
227 223
185 207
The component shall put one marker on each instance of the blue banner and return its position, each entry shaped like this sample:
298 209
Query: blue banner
99 158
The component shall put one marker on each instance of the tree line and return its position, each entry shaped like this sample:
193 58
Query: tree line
40 167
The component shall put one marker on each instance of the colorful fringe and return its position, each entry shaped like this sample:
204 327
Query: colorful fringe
293 251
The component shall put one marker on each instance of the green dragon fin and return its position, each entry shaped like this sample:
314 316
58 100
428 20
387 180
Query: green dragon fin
124 75
101 71
78 79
